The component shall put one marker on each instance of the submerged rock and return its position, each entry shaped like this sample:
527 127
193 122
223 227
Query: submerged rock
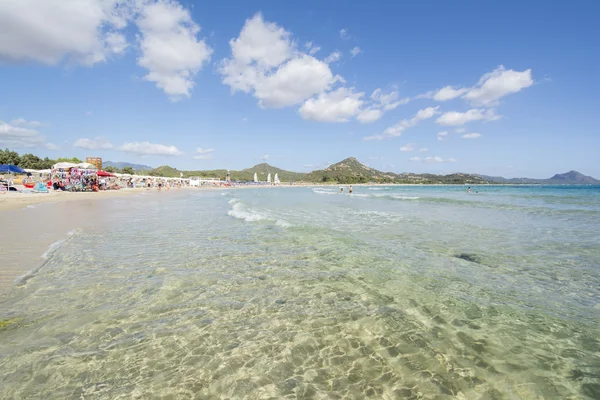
474 258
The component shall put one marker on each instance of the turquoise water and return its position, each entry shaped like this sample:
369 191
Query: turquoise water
392 292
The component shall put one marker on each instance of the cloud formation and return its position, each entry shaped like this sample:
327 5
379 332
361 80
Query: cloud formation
147 149
266 63
355 51
171 50
471 136
401 126
14 136
203 154
455 118
98 143
88 32
490 88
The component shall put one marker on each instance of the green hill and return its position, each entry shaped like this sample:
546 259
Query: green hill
347 171
351 170
264 169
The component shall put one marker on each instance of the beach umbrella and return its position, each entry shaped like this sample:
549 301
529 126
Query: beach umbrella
104 173
11 169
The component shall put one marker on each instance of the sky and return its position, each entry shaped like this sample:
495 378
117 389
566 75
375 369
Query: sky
505 88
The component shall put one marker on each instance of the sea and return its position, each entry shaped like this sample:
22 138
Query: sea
392 292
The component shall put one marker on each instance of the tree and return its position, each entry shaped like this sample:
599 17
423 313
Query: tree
31 161
112 170
128 170
9 157
73 160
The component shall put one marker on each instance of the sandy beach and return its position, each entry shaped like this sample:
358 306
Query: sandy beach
16 200
33 222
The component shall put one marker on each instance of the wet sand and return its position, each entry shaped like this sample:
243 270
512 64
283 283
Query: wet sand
31 223
15 200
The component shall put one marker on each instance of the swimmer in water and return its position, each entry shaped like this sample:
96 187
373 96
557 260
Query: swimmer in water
341 190
469 189
350 189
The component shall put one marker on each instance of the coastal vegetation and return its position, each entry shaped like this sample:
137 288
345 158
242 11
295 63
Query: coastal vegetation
347 171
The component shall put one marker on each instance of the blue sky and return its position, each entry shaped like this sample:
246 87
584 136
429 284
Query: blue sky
503 88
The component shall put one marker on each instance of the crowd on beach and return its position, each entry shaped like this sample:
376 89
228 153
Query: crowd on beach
85 177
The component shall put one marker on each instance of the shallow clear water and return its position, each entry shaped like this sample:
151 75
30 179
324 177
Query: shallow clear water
393 292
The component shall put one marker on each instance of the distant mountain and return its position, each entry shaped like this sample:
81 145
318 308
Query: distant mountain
121 165
573 178
351 170
165 171
568 178
263 170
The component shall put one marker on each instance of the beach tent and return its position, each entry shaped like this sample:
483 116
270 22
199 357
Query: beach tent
104 173
64 165
40 188
85 165
11 169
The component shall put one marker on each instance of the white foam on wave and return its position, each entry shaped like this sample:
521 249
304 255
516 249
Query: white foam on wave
283 223
46 256
379 188
396 196
324 191
241 211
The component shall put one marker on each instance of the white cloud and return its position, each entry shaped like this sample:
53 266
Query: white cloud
442 135
414 159
408 147
35 123
437 160
471 135
490 88
460 130
87 32
369 115
475 114
171 51
387 101
380 103
18 122
116 42
147 148
498 83
98 143
344 34
266 63
50 31
448 93
311 48
12 136
203 154
336 106
264 158
333 57
355 51
401 126
423 150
